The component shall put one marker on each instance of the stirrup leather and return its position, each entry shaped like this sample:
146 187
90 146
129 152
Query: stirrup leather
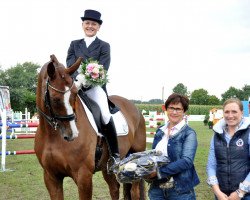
113 165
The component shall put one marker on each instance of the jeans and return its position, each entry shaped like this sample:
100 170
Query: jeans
156 193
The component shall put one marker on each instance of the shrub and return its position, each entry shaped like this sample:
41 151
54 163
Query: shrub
210 124
193 109
205 121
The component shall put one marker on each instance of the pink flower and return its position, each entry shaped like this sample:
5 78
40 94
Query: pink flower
90 67
95 75
95 70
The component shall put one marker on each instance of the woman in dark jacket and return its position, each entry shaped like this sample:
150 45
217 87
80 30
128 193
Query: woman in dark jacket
228 166
92 47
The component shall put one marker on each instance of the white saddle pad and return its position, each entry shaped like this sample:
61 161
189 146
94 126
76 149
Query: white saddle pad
120 122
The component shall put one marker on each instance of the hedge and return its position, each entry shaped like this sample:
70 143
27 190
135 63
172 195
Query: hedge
193 109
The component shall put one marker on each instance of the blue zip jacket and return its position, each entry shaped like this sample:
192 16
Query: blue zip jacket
181 151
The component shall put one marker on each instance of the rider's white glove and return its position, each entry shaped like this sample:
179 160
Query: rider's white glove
80 81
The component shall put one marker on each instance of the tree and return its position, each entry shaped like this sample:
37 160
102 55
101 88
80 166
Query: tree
246 92
180 89
232 92
2 76
136 101
199 97
213 100
155 101
22 81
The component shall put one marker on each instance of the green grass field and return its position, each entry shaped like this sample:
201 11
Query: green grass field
24 178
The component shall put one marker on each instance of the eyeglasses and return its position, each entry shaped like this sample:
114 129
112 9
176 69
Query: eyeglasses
172 109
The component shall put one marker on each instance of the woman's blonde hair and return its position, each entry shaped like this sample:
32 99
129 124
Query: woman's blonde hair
233 100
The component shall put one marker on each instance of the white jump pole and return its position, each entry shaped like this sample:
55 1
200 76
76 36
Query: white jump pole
4 128
26 119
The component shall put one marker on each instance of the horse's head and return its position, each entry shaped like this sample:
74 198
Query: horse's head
59 98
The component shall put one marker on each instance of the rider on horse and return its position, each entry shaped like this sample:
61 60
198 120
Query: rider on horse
92 47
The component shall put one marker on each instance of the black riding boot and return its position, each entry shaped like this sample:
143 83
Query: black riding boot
109 133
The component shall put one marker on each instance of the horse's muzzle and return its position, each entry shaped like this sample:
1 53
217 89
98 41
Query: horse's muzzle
69 131
70 137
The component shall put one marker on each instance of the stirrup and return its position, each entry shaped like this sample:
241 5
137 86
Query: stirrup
113 165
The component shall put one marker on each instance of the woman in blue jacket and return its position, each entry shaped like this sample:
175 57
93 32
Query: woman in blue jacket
228 166
175 139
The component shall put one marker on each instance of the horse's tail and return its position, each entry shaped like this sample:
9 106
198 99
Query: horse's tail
139 142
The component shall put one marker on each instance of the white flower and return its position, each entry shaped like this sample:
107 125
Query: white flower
130 167
95 70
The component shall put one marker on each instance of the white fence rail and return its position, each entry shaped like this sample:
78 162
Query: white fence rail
153 119
198 118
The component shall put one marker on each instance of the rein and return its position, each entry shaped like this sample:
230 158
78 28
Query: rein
53 118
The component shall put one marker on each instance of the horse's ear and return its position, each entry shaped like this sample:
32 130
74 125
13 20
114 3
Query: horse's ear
75 66
51 66
51 70
54 59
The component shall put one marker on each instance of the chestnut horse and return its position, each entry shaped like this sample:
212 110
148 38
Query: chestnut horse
65 142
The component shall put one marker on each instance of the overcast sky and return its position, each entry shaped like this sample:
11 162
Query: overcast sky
154 43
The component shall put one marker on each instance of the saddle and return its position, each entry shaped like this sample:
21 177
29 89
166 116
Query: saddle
95 109
96 112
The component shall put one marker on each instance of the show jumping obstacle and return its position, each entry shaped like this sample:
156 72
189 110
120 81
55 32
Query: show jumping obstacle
8 137
21 125
5 126
21 152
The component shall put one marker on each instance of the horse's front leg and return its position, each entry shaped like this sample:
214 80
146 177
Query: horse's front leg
113 184
85 184
138 190
54 186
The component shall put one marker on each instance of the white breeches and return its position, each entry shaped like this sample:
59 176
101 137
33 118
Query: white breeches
99 96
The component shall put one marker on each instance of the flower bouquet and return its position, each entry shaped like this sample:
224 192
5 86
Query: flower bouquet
139 165
94 73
